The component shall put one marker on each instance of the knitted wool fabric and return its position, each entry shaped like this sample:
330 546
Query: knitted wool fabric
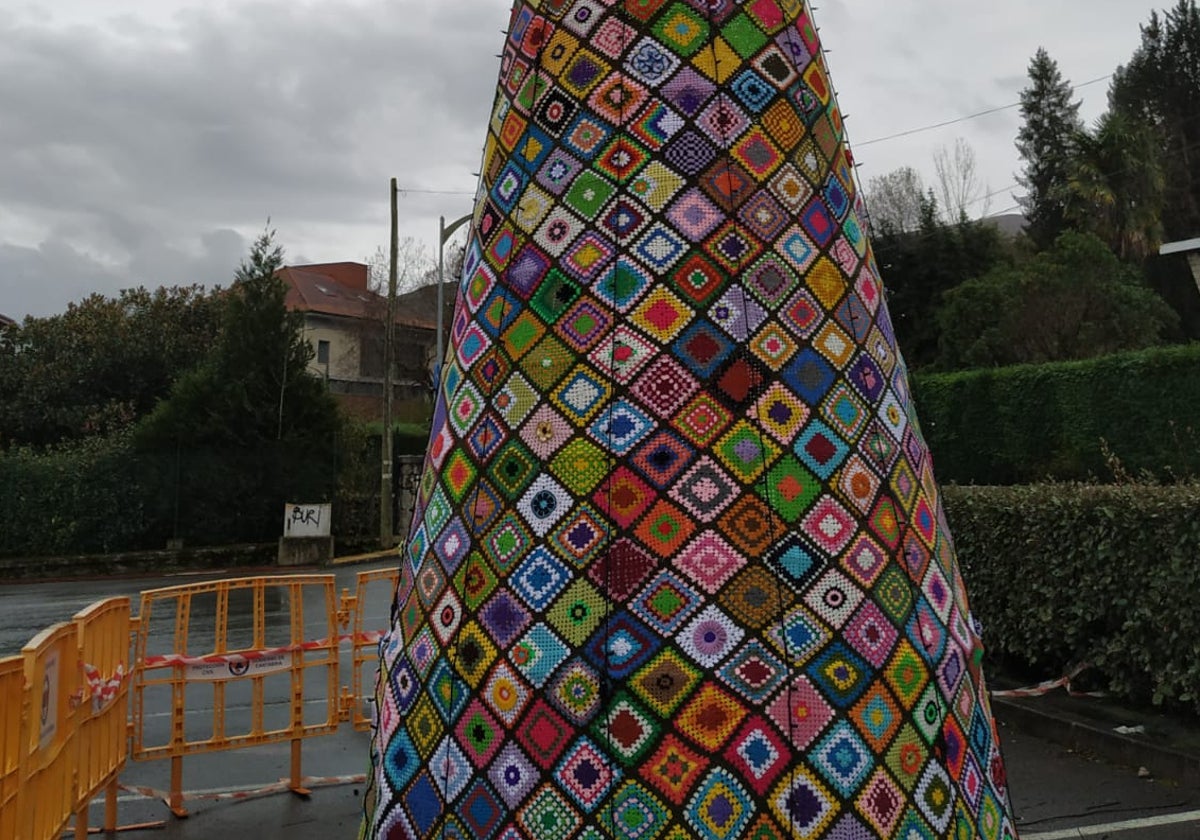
679 567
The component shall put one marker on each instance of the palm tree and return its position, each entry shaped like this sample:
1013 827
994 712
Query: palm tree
1115 186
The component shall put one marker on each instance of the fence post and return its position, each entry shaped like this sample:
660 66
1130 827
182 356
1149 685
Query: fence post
110 805
175 800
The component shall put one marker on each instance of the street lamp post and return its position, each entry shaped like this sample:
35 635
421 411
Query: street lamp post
386 535
444 233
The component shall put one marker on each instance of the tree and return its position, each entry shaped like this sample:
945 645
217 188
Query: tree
254 386
958 180
1160 88
919 266
377 271
1046 143
894 200
1073 301
1115 186
249 429
414 271
102 364
414 267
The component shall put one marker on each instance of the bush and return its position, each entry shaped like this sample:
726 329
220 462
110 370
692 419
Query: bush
103 494
75 498
100 495
1107 575
1073 301
1028 423
356 509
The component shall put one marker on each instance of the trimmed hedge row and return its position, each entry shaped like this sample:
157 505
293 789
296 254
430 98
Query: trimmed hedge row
1031 423
103 494
1107 575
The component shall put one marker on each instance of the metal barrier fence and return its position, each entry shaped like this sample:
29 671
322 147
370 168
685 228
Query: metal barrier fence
68 726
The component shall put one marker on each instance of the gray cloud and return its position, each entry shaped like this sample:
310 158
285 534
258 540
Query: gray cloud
123 145
151 145
56 273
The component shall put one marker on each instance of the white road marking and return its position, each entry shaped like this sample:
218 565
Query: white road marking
138 797
1113 828
207 712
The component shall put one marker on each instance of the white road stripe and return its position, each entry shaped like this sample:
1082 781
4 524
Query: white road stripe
137 797
1113 828
241 707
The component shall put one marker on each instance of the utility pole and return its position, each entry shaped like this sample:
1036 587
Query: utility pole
386 536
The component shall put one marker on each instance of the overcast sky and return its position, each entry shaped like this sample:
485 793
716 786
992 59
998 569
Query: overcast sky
148 141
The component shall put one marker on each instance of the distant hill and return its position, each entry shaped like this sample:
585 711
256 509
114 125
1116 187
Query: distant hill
1009 224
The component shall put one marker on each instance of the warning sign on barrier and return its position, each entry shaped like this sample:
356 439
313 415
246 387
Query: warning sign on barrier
237 667
49 705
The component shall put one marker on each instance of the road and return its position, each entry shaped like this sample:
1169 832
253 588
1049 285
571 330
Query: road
1056 794
28 608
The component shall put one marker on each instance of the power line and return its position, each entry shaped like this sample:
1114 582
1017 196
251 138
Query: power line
406 191
1001 212
896 136
975 116
992 194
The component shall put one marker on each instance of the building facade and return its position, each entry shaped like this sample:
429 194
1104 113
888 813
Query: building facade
344 323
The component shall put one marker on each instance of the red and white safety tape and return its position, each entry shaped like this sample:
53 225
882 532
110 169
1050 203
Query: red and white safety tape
235 795
103 691
1050 685
169 659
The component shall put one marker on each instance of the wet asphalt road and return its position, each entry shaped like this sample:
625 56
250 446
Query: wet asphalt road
28 608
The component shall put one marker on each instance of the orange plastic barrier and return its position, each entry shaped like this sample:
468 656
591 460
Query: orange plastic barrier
12 708
48 735
267 647
377 589
103 638
190 642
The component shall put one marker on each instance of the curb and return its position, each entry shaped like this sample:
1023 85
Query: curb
1084 736
369 557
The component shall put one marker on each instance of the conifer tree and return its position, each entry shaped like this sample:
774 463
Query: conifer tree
1160 88
254 388
1046 143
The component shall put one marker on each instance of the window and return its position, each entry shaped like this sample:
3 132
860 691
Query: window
323 352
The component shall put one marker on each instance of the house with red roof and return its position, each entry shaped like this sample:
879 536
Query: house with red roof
343 321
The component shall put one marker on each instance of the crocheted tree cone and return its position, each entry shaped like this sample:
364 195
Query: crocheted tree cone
679 567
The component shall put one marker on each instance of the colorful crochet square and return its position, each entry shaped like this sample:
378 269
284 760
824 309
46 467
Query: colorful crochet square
679 569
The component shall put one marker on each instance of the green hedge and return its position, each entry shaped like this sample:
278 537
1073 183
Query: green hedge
102 495
73 499
1107 575
1029 423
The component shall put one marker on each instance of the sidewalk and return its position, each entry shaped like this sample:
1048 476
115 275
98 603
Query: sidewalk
1168 747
